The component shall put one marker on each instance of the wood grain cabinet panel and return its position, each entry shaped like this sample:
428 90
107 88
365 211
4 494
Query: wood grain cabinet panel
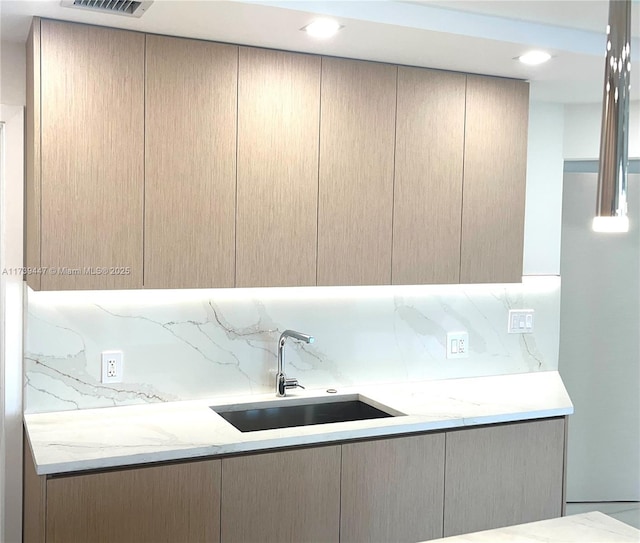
355 203
503 475
32 156
278 116
190 157
392 490
495 163
186 163
400 489
427 207
282 497
164 504
92 155
34 511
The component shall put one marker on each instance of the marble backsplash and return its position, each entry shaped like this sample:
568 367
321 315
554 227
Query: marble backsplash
194 344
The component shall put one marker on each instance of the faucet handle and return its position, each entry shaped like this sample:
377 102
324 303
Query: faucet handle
292 382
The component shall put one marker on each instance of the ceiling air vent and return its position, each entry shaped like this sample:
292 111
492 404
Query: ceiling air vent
129 8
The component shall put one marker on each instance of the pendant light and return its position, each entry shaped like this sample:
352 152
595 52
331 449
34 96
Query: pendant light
611 205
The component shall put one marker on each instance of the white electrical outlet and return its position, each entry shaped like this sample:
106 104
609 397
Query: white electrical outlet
520 321
457 344
112 366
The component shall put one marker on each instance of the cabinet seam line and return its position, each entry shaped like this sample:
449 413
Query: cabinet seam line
464 153
144 157
235 205
393 177
444 482
340 497
318 178
43 497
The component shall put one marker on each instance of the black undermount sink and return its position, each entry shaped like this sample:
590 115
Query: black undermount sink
286 416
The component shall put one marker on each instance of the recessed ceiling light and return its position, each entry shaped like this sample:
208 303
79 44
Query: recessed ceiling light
322 28
534 57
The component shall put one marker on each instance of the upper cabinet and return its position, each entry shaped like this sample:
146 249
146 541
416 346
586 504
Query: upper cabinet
495 164
278 116
355 197
190 158
85 185
427 205
164 162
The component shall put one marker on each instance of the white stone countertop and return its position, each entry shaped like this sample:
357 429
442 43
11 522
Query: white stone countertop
86 439
592 527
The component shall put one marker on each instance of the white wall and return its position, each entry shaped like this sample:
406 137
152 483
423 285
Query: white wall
12 93
600 318
582 131
543 219
599 349
12 73
11 311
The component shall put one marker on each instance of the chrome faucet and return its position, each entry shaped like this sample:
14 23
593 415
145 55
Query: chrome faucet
282 382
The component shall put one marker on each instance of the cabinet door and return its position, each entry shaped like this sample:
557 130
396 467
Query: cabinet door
92 156
288 496
392 489
355 203
427 207
164 504
495 163
190 176
503 475
278 112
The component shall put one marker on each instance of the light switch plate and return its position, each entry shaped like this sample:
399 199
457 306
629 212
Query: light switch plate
457 344
520 321
112 366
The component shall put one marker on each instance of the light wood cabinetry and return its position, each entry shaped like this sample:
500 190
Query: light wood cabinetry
86 170
392 489
190 158
163 504
289 496
503 475
34 527
495 162
186 163
278 116
32 157
408 488
427 207
355 199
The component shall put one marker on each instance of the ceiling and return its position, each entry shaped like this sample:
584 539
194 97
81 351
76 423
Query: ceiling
567 13
469 36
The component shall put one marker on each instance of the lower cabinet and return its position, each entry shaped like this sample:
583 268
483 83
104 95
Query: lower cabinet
392 489
163 504
282 497
503 475
400 489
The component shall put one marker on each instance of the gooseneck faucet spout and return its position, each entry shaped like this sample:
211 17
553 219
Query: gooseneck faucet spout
282 382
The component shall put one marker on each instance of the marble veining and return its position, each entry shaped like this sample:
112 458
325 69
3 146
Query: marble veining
184 345
85 439
594 527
